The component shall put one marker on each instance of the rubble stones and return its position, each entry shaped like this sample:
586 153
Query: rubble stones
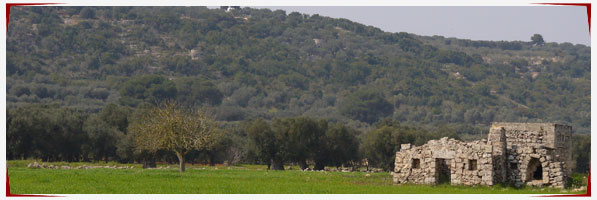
405 146
34 165
43 166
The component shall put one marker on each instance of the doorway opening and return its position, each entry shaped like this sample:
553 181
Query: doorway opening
443 170
534 170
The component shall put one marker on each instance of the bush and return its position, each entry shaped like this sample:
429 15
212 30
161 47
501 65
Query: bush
19 90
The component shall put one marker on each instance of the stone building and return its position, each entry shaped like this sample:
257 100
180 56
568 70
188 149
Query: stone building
535 154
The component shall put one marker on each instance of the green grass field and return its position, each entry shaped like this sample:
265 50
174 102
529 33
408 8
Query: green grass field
224 180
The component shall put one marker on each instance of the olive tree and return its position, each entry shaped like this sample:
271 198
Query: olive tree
302 138
537 39
266 144
172 127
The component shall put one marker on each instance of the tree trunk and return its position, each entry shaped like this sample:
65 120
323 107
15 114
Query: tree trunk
303 164
277 164
180 161
269 164
212 158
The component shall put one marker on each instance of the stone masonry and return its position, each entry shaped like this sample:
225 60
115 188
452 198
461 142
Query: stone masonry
534 154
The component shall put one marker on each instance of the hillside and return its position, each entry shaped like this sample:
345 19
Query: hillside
252 63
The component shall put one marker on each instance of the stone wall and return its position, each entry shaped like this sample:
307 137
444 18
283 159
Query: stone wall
547 142
514 153
563 145
464 163
497 139
537 167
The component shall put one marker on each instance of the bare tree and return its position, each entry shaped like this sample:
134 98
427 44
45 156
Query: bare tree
176 128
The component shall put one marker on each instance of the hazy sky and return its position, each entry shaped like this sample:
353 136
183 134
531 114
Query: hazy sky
555 23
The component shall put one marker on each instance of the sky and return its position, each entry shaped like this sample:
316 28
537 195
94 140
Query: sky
555 23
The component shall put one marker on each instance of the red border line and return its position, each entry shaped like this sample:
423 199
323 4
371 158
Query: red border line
8 194
587 5
588 194
8 5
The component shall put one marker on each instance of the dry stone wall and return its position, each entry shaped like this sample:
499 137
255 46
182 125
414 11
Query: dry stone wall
445 159
515 153
547 143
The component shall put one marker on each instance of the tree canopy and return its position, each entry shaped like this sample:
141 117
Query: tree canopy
537 39
175 128
367 106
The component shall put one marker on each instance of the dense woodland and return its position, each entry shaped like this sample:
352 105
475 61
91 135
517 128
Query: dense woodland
78 76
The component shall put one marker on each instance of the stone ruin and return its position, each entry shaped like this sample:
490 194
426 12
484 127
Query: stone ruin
536 154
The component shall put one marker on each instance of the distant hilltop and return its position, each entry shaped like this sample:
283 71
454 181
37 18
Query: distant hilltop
249 63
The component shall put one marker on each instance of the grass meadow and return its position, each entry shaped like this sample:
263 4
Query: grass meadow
243 179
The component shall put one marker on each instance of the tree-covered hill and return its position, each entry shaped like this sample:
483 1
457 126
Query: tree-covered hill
253 63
